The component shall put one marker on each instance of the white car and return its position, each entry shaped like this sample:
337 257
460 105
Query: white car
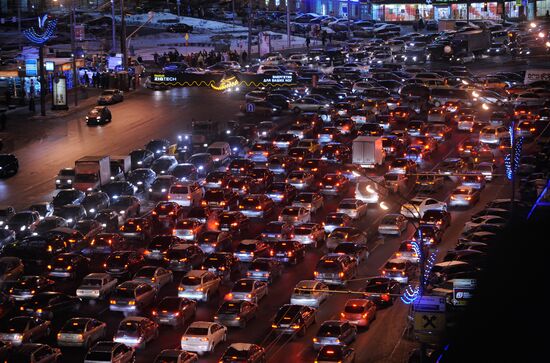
464 196
493 134
309 200
96 285
354 208
466 123
483 220
203 336
486 169
300 57
307 104
419 205
187 194
295 215
303 296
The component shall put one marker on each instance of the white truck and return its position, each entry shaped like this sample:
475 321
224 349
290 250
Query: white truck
92 172
368 152
125 162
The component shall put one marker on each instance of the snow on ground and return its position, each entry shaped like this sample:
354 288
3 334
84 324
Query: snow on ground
199 25
146 46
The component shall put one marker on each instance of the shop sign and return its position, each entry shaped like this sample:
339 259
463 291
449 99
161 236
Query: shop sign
31 67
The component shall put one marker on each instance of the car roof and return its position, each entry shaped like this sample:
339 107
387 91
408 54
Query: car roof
136 319
306 283
397 260
241 346
197 273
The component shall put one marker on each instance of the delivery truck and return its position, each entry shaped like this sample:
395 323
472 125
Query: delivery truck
367 151
92 172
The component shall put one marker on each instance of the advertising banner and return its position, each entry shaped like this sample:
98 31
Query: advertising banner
59 94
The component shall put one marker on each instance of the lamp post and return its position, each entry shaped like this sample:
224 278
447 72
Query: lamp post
123 49
250 28
113 24
288 22
349 19
72 16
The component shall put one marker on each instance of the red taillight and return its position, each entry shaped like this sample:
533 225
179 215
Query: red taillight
271 253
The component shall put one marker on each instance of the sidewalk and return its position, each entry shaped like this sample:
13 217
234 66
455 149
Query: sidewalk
24 126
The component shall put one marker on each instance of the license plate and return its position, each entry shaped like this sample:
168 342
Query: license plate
224 229
329 187
164 320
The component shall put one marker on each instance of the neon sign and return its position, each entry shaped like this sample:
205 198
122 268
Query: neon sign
226 83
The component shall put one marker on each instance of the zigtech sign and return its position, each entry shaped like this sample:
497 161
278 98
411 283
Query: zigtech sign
222 82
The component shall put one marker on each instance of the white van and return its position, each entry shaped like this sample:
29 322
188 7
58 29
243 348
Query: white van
186 194
220 151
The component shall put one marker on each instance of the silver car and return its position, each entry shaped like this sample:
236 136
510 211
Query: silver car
136 331
199 285
22 329
392 224
96 286
81 332
154 276
309 293
248 290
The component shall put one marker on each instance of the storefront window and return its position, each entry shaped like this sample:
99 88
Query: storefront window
542 7
512 10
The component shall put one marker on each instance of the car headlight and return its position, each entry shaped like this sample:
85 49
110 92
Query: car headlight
139 183
23 228
163 190
150 189
122 212
98 118
414 58
70 220
91 210
58 181
140 162
274 109
69 181
201 167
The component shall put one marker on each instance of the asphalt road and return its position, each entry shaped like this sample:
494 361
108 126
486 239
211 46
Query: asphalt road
146 115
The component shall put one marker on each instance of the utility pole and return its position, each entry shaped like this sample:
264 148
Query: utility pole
288 23
178 3
113 23
42 81
349 19
19 23
72 16
250 28
513 166
123 49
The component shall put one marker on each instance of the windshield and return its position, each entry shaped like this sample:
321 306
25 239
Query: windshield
395 266
329 330
17 325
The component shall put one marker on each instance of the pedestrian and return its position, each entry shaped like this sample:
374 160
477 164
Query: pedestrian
3 120
547 15
86 79
324 37
8 97
415 26
308 41
244 55
156 57
330 38
421 24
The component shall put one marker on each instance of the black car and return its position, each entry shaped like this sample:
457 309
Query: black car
290 252
35 252
95 202
99 115
141 158
203 162
28 286
50 304
236 313
174 311
68 265
222 264
180 28
9 165
22 222
123 263
238 145
67 196
265 269
291 319
439 218
382 290
164 164
185 172
158 147
6 305
184 257
72 213
110 96
108 219
142 178
116 189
